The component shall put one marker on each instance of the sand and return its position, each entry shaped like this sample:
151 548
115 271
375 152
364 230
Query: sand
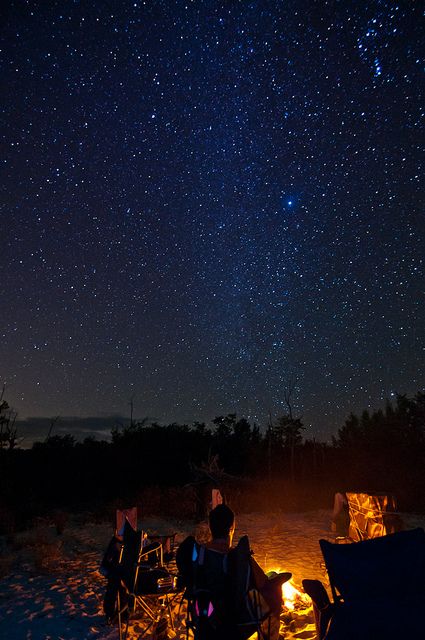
51 588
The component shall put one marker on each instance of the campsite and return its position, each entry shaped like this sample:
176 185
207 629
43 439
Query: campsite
52 589
57 592
285 492
212 320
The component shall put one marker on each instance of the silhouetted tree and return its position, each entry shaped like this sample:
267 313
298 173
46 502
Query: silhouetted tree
288 434
386 448
8 430
288 429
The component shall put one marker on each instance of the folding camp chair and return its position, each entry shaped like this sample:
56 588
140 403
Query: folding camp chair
142 581
223 602
372 515
130 515
377 588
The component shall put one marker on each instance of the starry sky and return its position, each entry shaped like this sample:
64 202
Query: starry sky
203 202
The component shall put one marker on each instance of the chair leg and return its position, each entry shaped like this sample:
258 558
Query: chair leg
119 613
262 634
146 608
170 614
126 628
120 609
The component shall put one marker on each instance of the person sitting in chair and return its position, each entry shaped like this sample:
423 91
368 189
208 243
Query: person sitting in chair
222 528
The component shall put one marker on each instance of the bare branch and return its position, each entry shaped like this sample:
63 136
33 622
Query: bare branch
53 421
287 393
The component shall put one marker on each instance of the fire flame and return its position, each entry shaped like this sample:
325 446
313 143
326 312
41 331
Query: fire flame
293 596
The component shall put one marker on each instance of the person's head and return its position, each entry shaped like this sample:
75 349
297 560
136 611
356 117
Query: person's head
222 522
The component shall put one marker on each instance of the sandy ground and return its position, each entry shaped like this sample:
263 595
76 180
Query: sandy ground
51 588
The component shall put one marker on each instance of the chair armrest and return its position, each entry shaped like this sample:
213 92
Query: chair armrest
152 555
167 540
317 592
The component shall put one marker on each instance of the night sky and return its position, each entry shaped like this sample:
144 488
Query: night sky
202 201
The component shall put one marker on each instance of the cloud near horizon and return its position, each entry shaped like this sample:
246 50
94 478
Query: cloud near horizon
33 429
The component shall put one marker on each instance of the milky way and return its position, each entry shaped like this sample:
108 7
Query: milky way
204 201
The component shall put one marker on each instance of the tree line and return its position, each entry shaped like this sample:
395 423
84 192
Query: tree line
382 450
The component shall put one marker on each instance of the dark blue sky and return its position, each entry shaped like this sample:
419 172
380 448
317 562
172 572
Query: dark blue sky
201 201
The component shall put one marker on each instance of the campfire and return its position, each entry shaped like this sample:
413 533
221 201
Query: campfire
293 598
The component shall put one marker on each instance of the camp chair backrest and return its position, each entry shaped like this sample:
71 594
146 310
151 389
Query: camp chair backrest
222 594
216 498
379 567
371 515
125 515
135 557
132 544
210 570
242 580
